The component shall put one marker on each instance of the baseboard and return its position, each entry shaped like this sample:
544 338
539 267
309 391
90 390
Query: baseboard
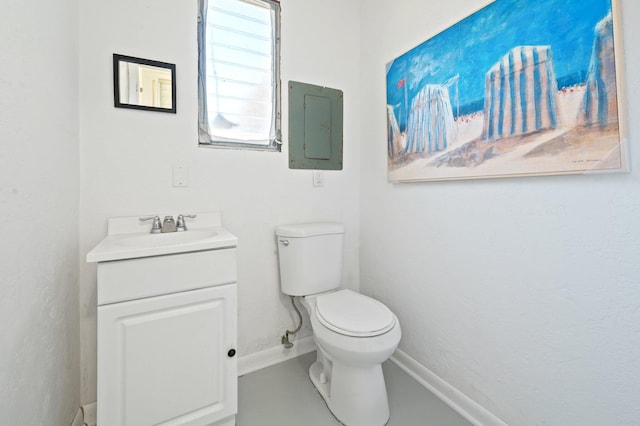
275 355
89 414
459 402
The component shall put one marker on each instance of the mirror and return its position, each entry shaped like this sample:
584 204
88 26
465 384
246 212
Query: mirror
144 84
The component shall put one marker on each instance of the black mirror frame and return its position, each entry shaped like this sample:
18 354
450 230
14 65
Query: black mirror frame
116 82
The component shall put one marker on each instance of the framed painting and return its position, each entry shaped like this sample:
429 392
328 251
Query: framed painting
519 88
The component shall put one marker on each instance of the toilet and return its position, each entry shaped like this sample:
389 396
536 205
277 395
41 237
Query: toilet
354 333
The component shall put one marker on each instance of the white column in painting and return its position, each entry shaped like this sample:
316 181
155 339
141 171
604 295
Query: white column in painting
431 126
600 104
521 93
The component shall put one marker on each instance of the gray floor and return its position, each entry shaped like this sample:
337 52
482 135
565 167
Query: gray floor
283 395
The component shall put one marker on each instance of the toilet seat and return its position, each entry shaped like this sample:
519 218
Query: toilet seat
352 314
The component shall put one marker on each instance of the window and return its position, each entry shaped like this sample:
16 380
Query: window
238 73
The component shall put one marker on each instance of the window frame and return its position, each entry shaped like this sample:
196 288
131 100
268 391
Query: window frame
205 138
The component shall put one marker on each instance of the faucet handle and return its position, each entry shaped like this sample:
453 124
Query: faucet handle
156 228
181 225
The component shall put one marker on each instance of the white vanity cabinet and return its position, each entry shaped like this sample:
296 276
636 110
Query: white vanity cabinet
167 335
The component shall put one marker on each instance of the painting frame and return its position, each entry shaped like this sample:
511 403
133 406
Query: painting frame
554 106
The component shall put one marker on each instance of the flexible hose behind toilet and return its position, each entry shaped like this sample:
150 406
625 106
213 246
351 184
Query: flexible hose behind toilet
285 339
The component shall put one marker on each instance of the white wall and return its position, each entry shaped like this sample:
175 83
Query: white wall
522 293
127 156
39 332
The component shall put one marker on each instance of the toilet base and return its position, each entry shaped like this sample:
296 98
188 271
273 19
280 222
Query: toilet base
356 396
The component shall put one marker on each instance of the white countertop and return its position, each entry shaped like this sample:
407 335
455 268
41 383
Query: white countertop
128 238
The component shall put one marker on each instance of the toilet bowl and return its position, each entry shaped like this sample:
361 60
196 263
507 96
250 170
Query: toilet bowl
354 333
348 371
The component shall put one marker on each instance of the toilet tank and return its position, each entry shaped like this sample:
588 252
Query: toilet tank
310 257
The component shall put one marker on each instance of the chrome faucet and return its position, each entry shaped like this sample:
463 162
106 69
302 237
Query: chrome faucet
168 224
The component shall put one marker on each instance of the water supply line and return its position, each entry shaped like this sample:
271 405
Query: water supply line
285 338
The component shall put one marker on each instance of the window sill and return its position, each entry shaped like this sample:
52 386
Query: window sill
244 147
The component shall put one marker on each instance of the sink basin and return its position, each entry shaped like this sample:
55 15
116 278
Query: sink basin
168 239
120 246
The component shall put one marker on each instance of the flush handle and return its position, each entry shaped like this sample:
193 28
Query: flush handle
284 242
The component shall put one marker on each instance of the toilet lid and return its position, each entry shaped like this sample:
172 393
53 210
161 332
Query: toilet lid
353 314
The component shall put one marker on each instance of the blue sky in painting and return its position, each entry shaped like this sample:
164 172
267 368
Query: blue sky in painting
471 47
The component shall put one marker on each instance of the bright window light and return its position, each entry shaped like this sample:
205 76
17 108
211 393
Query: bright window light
238 73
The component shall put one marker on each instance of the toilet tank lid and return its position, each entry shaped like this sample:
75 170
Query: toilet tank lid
302 230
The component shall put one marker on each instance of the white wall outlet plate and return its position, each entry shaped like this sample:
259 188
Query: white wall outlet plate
318 178
180 175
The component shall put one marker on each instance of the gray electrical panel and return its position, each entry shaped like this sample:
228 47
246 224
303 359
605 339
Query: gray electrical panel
315 127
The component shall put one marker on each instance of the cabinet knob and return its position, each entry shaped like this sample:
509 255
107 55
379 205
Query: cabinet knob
231 353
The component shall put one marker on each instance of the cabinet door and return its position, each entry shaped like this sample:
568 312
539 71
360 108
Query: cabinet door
164 360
